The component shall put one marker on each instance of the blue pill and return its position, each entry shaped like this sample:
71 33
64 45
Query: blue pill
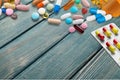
101 19
73 9
93 10
35 16
56 8
3 10
68 20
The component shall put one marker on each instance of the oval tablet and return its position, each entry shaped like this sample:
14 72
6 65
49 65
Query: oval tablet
78 21
77 17
9 5
54 21
85 3
64 16
22 7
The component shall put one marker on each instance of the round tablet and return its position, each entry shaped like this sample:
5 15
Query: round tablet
14 16
41 11
9 12
73 9
35 16
50 7
72 29
68 20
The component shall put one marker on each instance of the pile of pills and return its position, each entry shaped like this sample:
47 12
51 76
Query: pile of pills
109 37
9 7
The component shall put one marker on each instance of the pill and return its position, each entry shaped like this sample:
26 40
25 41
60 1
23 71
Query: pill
77 1
73 9
78 29
3 10
57 6
66 15
41 11
14 16
6 1
35 16
84 26
68 20
114 29
101 36
72 29
0 11
68 5
78 21
107 32
17 2
54 21
42 4
9 5
97 11
111 47
22 7
77 17
45 16
104 18
85 3
9 12
35 2
0 3
84 10
116 43
79 6
93 17
50 7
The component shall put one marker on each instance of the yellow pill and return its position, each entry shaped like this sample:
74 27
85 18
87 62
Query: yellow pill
114 29
97 32
112 49
9 5
107 32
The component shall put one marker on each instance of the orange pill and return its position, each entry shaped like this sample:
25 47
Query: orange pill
68 5
42 4
35 2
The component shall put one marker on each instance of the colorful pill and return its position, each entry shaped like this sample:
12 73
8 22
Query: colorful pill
72 29
57 6
96 11
54 21
107 32
114 29
77 17
9 12
42 4
84 10
73 9
35 16
78 29
64 16
22 7
78 21
77 1
9 5
35 2
68 20
41 11
85 3
68 5
84 26
50 7
45 16
101 37
110 47
117 44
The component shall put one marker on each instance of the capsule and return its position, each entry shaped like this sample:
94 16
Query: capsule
104 18
64 16
42 4
111 47
101 36
9 5
96 11
78 21
22 7
35 2
107 32
68 5
114 29
57 6
117 44
54 21
75 17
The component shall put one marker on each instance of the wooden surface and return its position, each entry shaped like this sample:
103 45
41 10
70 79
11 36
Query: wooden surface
35 50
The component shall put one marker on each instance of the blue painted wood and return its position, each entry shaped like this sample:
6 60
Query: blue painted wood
66 57
103 67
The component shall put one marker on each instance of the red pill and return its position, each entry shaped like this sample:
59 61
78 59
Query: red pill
84 10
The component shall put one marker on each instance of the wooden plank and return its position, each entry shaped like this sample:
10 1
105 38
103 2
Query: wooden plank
102 68
22 1
65 59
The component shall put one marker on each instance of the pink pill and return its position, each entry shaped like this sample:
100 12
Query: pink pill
17 2
77 17
9 12
72 29
84 26
22 7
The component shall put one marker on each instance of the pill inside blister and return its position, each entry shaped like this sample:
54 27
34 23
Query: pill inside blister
111 47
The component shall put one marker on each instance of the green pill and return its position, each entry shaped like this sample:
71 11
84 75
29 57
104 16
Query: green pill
77 1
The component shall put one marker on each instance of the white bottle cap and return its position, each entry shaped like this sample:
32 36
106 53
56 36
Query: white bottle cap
91 18
64 16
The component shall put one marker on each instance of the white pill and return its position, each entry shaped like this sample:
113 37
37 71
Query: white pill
101 12
108 17
0 12
78 21
64 16
41 11
91 18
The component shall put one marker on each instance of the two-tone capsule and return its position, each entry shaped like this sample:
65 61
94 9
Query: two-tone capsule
107 32
114 29
101 36
116 43
111 48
